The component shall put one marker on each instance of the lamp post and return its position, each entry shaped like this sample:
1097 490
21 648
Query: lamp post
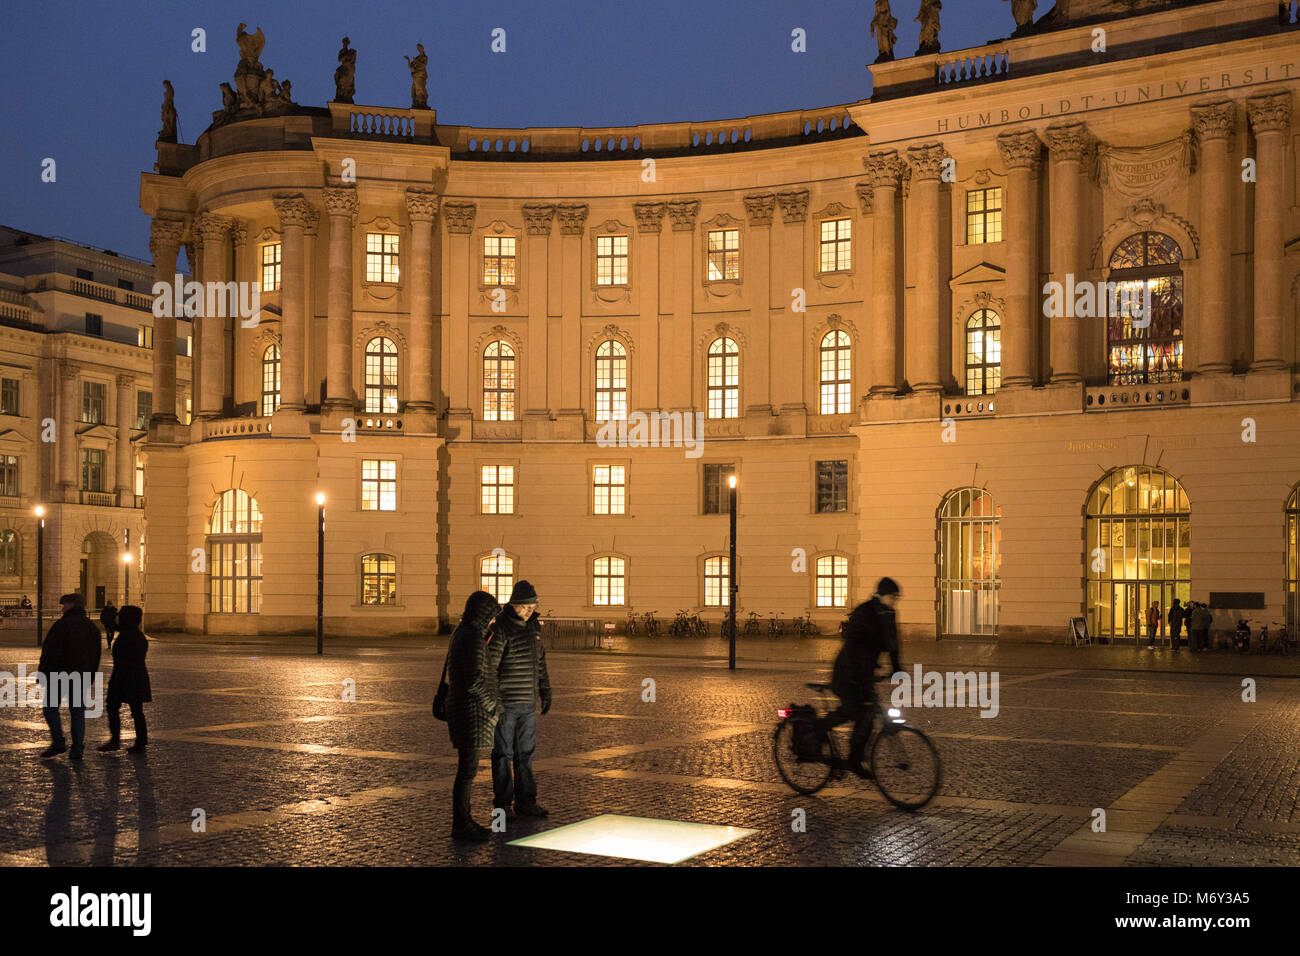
320 572
731 578
126 567
40 572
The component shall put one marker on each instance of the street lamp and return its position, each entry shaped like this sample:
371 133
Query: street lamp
731 577
40 570
320 572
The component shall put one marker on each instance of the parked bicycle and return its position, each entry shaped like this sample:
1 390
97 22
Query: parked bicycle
650 624
903 761
1275 641
775 626
804 627
630 627
752 627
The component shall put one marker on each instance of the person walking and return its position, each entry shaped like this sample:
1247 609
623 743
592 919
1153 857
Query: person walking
1177 615
473 706
522 678
129 682
108 617
71 648
1153 624
1200 627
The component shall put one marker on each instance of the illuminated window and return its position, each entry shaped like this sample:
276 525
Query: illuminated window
92 403
11 553
378 485
499 259
1146 348
983 353
92 469
609 489
609 583
144 336
717 488
378 579
832 486
611 260
143 408
836 381
381 257
9 393
9 486
717 582
724 379
499 382
983 215
611 381
497 576
724 254
970 564
832 581
235 554
139 477
497 489
837 245
270 379
381 376
270 267
1293 561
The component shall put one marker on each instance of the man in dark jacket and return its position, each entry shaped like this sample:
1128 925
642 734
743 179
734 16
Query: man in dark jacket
1176 616
129 683
871 631
108 617
521 679
473 707
71 648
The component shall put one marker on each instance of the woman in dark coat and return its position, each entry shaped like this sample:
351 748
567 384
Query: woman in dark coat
472 704
129 682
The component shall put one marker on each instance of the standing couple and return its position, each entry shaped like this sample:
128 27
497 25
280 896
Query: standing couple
496 671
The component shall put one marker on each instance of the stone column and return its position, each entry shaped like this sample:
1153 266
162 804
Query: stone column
296 214
1068 143
788 336
459 217
238 267
765 363
165 246
215 231
538 218
921 342
125 456
1270 118
885 171
421 209
1214 124
573 223
646 271
1020 154
341 204
679 349
69 414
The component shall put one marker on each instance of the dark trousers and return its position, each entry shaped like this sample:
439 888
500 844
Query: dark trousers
137 715
1151 635
1201 638
857 705
466 771
516 738
108 634
1175 637
56 726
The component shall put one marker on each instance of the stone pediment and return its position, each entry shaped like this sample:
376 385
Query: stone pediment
978 275
97 431
12 436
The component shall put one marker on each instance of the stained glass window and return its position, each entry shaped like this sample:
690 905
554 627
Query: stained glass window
1144 315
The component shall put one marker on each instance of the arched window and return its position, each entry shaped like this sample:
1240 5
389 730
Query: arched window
1139 541
836 381
832 581
724 379
498 382
611 381
609 582
235 554
381 376
11 553
1293 560
970 564
497 576
378 579
270 379
1146 347
983 353
717 581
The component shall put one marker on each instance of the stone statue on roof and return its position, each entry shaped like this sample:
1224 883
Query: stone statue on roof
168 132
929 20
249 75
1023 11
883 25
419 79
345 77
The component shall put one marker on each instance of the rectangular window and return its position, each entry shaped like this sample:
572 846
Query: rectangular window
609 582
378 485
9 476
92 402
270 267
9 396
144 336
832 486
832 581
611 260
609 490
378 579
85 274
126 284
983 215
381 257
717 491
497 489
717 583
189 410
92 469
837 245
724 254
499 258
139 477
94 324
143 408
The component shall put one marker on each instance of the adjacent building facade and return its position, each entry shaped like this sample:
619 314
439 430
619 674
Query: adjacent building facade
542 353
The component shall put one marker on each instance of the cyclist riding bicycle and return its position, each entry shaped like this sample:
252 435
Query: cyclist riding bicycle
871 630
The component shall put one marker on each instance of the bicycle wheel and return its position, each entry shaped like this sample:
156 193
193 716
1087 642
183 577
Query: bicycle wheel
906 767
805 774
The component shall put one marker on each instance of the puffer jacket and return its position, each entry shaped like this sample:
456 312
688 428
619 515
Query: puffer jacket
129 682
472 704
871 631
521 675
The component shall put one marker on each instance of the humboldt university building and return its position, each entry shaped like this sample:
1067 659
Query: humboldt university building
1019 331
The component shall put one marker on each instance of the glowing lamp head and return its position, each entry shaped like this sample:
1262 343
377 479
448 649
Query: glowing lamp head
320 497
40 511
126 558
731 481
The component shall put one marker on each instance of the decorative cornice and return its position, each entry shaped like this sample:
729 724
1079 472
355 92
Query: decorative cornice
422 204
573 217
866 194
1147 215
607 333
794 205
342 201
213 227
759 208
538 217
380 329
459 217
125 380
649 216
1068 142
884 169
684 212
1269 112
165 234
1214 120
294 210
1021 149
926 160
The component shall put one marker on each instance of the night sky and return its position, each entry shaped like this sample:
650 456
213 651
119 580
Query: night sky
82 82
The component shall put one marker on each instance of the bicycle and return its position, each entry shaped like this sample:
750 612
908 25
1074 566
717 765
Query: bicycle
804 627
650 623
752 627
681 626
699 626
904 763
1280 639
775 626
630 628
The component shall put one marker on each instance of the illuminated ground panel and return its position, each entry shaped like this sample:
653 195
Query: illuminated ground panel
636 838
